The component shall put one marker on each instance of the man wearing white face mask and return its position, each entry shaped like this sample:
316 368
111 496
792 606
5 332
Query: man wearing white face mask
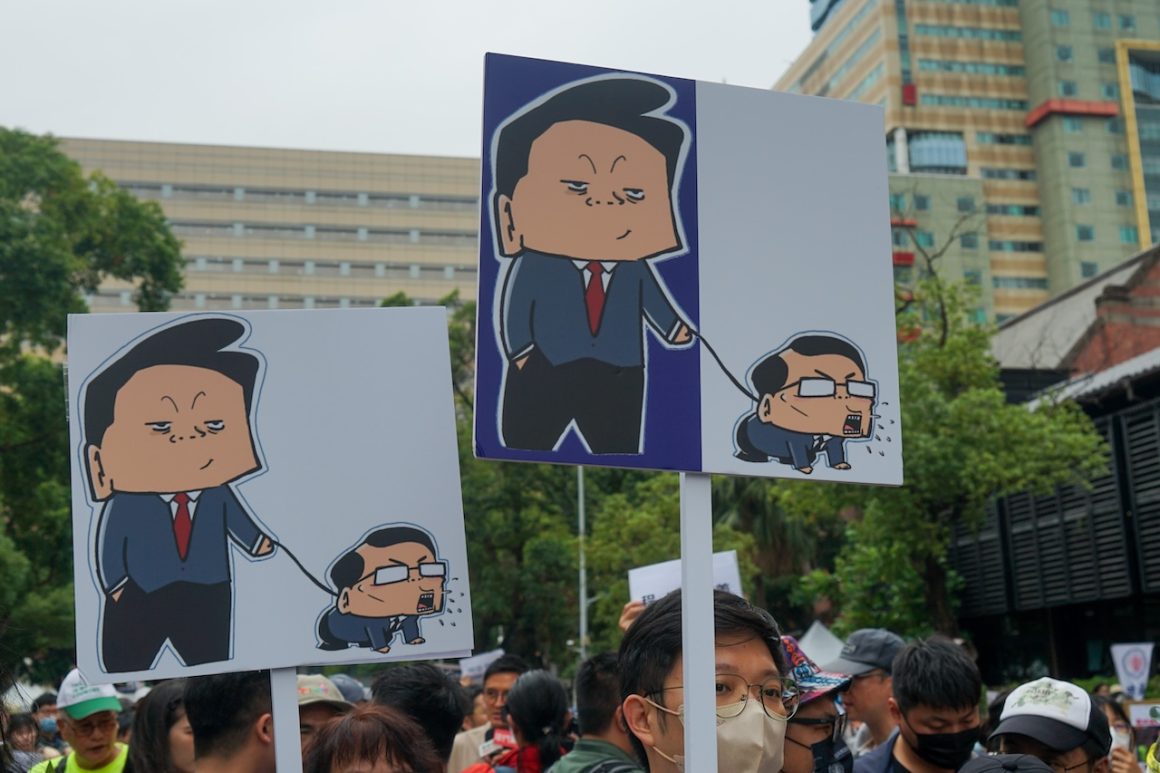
754 699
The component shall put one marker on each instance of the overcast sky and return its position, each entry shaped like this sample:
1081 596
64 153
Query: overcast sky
393 76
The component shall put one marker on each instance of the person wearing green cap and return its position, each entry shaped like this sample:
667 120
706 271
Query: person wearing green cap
88 723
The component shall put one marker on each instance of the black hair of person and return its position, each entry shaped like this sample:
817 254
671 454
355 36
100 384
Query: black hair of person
223 708
427 695
156 713
769 375
506 664
652 645
597 693
350 568
937 673
538 705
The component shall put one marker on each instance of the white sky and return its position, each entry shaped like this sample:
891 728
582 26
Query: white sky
392 76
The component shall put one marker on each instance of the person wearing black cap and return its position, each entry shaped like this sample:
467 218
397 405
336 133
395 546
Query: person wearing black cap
936 705
868 657
1058 723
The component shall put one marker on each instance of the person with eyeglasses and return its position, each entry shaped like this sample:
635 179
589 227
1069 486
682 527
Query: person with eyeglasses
495 737
386 585
868 657
814 736
755 696
812 396
87 721
935 702
1057 722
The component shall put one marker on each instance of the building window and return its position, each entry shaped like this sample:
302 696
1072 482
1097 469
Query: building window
238 266
1109 91
236 301
1008 245
924 238
898 237
1088 269
1102 20
1081 196
969 241
1107 55
308 232
921 202
1006 173
998 138
898 202
1115 125
1019 282
973 276
938 152
308 302
1060 18
1063 53
965 203
1127 23
380 270
1129 234
1076 160
362 234
271 301
308 268
272 267
1068 89
1085 233
344 268
311 197
1123 198
344 303
413 272
903 274
363 199
1072 125
1119 161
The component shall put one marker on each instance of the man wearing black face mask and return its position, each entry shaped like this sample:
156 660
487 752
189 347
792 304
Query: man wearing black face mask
936 704
813 736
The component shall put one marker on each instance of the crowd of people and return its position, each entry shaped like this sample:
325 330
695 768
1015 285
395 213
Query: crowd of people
883 706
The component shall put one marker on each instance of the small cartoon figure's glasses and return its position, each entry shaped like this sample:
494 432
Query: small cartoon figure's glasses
388 575
824 387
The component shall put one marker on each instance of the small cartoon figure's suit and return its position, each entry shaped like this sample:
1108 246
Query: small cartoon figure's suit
385 585
166 429
584 196
813 396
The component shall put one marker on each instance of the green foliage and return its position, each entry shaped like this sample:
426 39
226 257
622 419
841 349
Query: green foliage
61 235
963 444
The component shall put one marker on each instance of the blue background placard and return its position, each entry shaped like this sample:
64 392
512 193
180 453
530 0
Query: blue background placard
672 427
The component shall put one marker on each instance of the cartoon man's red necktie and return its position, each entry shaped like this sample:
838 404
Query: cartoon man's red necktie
594 295
182 524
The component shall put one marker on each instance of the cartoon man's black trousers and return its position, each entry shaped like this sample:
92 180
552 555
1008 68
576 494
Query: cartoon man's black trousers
194 618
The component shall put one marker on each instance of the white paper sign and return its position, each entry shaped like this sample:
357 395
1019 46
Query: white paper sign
474 668
263 490
1133 665
650 583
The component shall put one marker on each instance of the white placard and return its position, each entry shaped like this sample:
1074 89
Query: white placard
475 667
324 525
650 583
1133 665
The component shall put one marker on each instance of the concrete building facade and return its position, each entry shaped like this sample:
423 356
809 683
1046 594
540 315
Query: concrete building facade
1022 135
280 229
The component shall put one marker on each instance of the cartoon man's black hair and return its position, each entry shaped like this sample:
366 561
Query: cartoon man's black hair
350 568
769 375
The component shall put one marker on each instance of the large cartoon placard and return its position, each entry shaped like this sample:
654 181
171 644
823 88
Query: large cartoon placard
264 489
683 275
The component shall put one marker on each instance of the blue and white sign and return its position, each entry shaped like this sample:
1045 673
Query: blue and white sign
685 276
1133 665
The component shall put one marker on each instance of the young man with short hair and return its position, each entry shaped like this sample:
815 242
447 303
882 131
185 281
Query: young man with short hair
87 720
1057 722
754 696
604 745
427 695
936 705
232 720
494 736
868 657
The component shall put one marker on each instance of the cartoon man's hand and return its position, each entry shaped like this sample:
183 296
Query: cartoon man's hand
841 466
522 361
265 548
806 470
116 595
684 335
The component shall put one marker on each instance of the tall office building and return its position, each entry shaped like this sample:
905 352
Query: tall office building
1023 136
279 229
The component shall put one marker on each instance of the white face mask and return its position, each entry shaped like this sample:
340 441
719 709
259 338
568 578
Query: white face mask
751 742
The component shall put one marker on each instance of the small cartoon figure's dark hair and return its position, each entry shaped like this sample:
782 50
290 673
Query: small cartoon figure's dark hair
348 569
200 343
623 103
769 375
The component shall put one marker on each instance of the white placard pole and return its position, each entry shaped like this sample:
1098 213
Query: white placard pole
287 740
697 642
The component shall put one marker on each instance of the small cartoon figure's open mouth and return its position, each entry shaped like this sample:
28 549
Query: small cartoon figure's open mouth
426 602
623 235
853 424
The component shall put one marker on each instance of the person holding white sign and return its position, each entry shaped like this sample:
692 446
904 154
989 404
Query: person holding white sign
754 697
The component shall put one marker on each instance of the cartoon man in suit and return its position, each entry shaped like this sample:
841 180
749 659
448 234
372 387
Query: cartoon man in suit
813 396
166 430
585 184
385 585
